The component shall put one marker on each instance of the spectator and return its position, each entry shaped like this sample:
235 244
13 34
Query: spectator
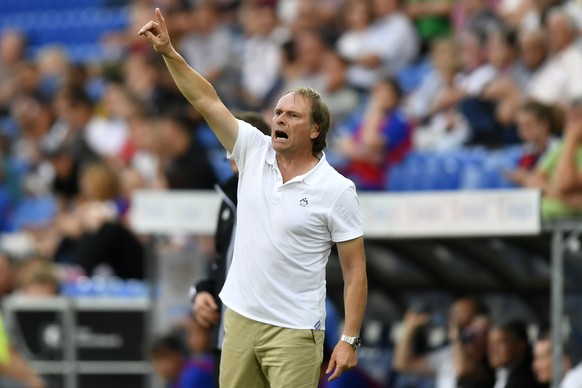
432 19
37 278
341 99
208 47
14 369
476 16
144 148
261 55
187 165
531 68
171 362
557 174
66 144
7 276
198 340
573 378
360 46
565 60
502 54
470 84
509 354
440 126
375 137
12 48
108 134
462 362
391 28
306 69
542 361
519 14
92 234
537 126
53 68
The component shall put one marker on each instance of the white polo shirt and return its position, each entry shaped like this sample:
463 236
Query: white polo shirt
284 235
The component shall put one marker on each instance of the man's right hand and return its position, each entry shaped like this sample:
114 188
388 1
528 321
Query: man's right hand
157 34
205 309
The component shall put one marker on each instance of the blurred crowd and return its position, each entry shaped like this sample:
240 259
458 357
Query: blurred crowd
480 352
401 78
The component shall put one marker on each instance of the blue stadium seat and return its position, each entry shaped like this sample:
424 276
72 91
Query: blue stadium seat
34 212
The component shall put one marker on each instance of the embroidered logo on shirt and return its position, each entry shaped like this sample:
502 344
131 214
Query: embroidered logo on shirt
317 325
303 202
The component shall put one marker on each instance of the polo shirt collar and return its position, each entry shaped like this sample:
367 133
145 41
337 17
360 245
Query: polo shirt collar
311 177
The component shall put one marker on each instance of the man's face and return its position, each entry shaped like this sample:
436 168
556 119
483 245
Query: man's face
559 33
502 349
542 363
462 313
167 365
292 129
532 51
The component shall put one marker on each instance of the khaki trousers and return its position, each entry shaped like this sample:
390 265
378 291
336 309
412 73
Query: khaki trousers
256 355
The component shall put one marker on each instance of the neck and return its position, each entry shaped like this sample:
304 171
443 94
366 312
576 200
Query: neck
292 167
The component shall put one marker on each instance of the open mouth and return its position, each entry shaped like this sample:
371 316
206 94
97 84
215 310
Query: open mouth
280 135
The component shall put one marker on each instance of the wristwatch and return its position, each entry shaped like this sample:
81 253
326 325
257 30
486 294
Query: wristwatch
355 342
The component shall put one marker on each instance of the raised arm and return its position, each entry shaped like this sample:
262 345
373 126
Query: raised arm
353 263
404 358
197 90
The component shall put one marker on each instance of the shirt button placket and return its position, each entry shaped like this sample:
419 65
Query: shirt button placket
278 187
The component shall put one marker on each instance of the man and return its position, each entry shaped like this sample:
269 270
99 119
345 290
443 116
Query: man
509 354
462 362
542 360
292 208
171 361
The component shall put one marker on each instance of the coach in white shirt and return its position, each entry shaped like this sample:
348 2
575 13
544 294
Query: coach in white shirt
293 206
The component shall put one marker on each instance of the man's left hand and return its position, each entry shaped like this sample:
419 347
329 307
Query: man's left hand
343 358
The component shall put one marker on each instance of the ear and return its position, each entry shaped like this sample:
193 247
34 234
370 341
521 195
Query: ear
314 132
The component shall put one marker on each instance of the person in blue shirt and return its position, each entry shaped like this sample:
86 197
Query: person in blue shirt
173 364
376 137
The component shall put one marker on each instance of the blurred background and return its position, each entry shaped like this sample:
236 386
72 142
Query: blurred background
435 97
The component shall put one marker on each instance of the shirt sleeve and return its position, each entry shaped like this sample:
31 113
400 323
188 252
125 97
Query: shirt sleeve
249 139
345 219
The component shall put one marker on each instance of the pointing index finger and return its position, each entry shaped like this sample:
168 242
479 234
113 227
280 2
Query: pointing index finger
160 18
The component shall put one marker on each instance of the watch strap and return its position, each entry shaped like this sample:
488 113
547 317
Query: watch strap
354 342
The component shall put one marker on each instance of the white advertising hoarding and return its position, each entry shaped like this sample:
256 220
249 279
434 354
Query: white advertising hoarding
385 215
451 214
180 211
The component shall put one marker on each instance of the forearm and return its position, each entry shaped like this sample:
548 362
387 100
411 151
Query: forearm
355 295
403 353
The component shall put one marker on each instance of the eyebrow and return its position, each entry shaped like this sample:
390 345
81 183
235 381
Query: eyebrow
279 110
